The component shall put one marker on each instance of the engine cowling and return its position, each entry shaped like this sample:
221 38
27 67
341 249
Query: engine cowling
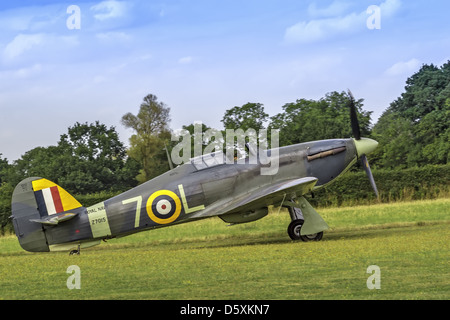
243 217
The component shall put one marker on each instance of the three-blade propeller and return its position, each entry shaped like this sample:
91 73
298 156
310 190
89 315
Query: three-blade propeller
357 135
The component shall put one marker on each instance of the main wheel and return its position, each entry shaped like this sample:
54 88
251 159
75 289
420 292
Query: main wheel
294 229
312 237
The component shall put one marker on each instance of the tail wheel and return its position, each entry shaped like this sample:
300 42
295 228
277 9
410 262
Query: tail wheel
75 251
294 231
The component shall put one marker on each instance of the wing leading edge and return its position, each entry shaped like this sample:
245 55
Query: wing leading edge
277 193
261 197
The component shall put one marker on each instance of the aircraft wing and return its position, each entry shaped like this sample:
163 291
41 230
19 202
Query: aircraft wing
262 197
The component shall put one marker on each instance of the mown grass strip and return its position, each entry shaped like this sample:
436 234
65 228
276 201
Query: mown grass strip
208 260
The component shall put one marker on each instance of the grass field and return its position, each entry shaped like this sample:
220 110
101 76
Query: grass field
409 242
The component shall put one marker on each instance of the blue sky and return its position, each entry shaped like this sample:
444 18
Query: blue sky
201 57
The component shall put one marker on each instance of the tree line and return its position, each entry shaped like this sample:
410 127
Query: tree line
412 132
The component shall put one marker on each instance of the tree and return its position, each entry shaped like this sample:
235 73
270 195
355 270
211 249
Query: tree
97 157
425 91
249 116
88 159
415 129
4 166
151 126
50 162
199 135
327 118
395 139
244 124
6 191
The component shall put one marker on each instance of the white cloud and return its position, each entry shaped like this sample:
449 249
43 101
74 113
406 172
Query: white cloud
319 29
113 36
39 46
109 9
402 67
334 9
390 7
14 22
32 18
68 41
22 43
100 79
28 72
185 60
336 22
22 73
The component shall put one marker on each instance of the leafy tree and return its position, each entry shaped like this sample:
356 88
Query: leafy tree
327 118
423 111
246 124
151 126
4 165
6 191
199 136
425 91
94 142
88 159
249 116
395 134
97 157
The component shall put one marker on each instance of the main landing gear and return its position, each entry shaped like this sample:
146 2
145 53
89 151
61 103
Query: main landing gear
294 232
316 224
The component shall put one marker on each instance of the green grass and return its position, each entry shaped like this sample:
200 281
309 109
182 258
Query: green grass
209 260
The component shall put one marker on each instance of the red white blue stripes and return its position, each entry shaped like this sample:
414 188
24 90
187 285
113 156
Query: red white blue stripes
49 201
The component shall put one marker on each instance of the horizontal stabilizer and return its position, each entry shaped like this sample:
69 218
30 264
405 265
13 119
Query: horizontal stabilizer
55 219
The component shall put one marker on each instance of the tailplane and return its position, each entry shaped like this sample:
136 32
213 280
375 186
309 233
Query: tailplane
37 202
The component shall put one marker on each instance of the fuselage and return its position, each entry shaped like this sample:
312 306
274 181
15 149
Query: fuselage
185 193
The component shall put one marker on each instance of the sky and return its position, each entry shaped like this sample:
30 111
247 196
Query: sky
83 61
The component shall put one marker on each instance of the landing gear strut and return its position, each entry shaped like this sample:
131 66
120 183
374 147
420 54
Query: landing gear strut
295 227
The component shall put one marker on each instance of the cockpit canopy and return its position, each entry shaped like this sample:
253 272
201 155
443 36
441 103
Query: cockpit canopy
208 160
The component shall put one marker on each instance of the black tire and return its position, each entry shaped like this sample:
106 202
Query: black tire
312 237
294 230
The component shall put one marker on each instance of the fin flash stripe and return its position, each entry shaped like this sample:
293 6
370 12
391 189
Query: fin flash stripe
52 198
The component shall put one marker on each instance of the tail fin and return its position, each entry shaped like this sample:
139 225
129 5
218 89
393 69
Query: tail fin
34 199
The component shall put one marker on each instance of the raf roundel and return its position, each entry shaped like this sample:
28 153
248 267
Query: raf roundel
163 207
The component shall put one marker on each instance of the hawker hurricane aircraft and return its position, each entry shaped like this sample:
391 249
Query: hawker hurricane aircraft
47 218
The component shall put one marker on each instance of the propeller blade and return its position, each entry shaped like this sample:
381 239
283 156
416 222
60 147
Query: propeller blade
353 118
369 174
365 145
